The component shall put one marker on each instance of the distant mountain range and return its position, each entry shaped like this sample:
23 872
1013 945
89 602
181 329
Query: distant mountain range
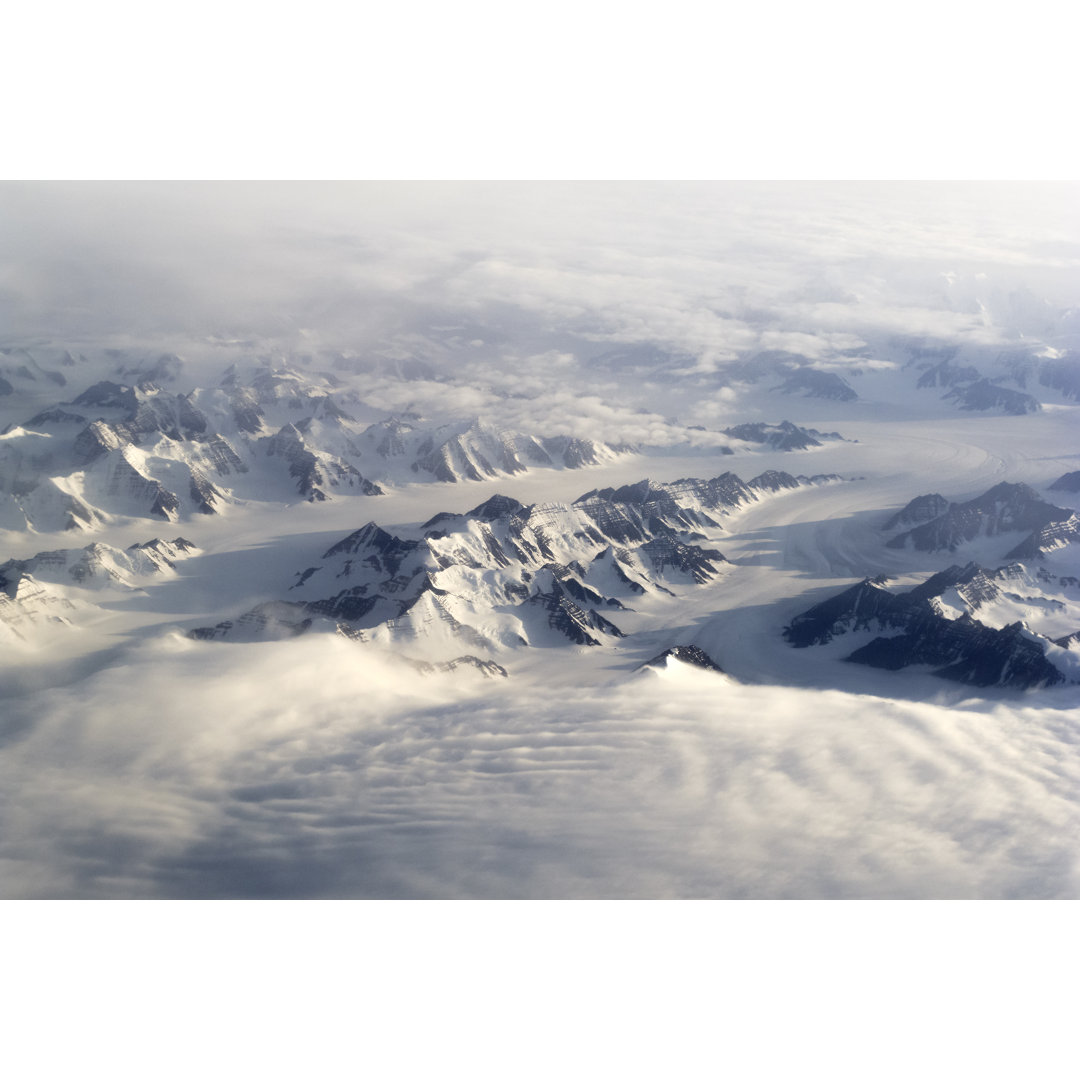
1015 626
138 450
1006 508
53 589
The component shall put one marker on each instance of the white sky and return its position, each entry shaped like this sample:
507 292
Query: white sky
923 90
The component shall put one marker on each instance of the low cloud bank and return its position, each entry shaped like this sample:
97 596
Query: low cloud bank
304 769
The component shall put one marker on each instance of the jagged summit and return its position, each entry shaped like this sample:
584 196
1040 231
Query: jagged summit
497 506
1070 482
683 654
984 395
780 436
921 509
934 625
1005 508
506 574
947 374
810 382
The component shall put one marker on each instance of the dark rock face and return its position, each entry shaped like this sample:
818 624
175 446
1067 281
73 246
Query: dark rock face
513 569
223 457
577 453
125 481
821 384
351 605
961 649
455 460
481 452
246 413
921 509
166 504
868 604
782 436
374 549
666 552
1069 482
1062 375
985 395
313 473
968 652
687 654
947 374
96 440
203 494
573 622
631 517
55 416
496 507
974 585
663 501
1004 508
109 395
771 480
1054 535
161 548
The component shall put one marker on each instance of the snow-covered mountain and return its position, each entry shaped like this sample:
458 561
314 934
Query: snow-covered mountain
970 389
810 382
59 588
983 395
967 624
1005 509
137 450
471 450
504 574
781 436
689 655
100 566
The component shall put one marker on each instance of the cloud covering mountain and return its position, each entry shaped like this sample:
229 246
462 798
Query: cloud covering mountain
304 769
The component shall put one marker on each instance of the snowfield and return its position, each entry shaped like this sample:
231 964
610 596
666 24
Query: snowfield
441 733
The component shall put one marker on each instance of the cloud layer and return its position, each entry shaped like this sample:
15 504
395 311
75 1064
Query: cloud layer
305 770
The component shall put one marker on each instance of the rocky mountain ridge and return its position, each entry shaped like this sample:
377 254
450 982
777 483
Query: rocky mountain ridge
934 625
136 449
52 588
505 574
1003 509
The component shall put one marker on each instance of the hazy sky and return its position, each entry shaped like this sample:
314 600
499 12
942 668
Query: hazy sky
358 262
